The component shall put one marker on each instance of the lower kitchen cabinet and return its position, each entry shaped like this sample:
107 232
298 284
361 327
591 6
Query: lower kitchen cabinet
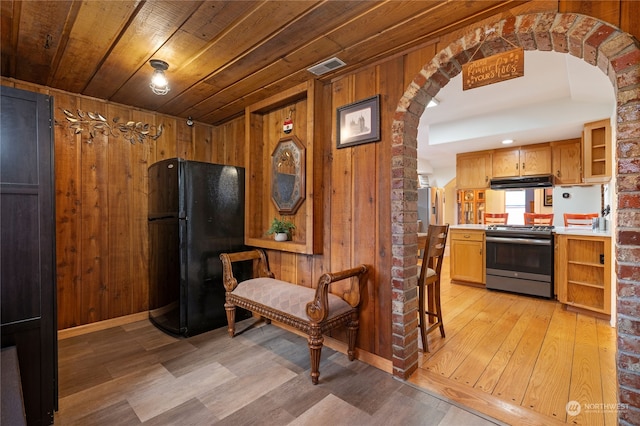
467 255
583 268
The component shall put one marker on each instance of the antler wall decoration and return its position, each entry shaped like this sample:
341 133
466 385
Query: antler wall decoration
94 123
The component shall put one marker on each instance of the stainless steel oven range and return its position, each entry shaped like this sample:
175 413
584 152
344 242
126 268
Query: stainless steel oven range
520 259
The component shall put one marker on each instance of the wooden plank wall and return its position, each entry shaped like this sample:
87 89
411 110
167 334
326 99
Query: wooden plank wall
101 203
101 192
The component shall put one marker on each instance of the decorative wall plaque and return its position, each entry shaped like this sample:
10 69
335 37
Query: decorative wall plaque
496 68
93 123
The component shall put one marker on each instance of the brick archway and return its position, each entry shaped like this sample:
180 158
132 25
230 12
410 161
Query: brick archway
617 54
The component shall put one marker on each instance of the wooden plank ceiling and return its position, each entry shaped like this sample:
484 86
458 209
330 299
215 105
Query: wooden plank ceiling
222 55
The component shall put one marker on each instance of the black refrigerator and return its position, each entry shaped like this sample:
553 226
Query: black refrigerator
196 212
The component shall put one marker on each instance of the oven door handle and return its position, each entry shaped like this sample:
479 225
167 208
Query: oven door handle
516 240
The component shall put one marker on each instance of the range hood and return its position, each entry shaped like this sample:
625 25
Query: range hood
541 181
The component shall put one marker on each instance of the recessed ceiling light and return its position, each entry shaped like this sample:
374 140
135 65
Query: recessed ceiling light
507 141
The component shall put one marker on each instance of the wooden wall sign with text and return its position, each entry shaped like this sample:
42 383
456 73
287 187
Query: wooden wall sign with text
496 68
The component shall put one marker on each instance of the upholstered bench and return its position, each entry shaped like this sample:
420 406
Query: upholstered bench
312 311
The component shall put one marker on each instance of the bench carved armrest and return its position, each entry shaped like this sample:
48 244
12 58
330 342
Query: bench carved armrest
261 269
318 309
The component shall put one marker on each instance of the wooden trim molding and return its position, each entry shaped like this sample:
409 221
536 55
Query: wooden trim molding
101 325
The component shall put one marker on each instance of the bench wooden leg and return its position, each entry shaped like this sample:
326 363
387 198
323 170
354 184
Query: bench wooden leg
231 318
352 335
315 350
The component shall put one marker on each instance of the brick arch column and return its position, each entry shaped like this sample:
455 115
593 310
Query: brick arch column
616 54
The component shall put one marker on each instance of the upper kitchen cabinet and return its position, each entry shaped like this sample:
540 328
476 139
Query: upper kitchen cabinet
473 170
596 144
522 161
567 161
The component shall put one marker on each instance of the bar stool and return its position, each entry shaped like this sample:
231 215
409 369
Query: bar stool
579 219
496 218
429 282
538 218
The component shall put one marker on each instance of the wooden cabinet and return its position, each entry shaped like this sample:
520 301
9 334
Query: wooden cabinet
471 206
473 170
571 161
583 272
596 144
27 264
522 161
506 162
535 160
467 257
566 158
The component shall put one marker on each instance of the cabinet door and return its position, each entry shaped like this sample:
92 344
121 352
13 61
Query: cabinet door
473 170
567 162
535 160
522 161
597 151
506 162
27 264
467 258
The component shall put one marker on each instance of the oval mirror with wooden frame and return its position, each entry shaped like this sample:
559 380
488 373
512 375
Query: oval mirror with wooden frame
288 175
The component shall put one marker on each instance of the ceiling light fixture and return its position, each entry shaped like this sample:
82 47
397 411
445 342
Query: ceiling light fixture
159 84
507 141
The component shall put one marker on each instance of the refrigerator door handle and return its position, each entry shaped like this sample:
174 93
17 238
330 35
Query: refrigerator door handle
162 217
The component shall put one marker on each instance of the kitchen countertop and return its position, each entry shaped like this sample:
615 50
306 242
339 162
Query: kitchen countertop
581 231
469 226
558 230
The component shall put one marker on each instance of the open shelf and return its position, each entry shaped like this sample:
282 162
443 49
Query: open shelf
597 151
584 272
586 284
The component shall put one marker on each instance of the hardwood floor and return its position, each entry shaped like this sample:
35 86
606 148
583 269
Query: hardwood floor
135 374
520 359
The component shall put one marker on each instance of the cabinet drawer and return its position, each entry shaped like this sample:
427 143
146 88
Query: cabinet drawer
467 235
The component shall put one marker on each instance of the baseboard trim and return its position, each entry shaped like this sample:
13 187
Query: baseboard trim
101 325
588 312
340 346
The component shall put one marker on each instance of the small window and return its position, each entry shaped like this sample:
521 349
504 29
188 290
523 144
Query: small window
514 204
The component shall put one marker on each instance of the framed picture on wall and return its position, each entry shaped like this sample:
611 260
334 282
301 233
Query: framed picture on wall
548 196
358 122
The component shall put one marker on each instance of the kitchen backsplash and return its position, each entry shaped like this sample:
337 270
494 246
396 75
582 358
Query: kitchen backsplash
575 199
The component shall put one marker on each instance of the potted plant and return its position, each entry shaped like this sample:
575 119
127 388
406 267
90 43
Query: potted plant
281 229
